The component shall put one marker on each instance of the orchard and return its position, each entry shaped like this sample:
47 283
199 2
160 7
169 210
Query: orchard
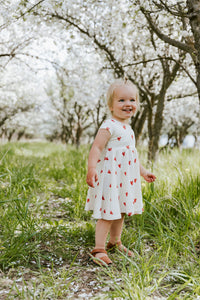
57 59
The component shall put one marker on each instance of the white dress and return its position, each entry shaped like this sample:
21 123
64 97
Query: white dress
118 189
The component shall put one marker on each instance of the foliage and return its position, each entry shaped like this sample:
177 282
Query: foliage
45 234
88 44
187 15
152 70
73 117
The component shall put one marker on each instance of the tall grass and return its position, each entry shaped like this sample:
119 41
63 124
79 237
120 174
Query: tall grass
167 262
43 225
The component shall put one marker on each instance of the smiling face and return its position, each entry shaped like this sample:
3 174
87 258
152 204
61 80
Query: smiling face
124 103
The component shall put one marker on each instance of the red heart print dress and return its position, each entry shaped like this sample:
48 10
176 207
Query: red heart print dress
118 189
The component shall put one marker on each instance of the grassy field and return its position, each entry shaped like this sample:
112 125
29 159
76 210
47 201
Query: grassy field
45 234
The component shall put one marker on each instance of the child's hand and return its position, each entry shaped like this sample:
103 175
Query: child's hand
149 177
92 177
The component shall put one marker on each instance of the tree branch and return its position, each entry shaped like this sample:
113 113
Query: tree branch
56 65
30 9
110 56
7 54
181 96
71 22
22 15
168 8
161 58
165 38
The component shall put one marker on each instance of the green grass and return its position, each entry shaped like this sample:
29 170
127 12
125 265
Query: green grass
45 234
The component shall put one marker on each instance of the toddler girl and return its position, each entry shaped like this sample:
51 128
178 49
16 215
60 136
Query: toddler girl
114 172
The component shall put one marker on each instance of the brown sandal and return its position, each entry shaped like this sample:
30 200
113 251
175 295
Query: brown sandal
112 247
103 261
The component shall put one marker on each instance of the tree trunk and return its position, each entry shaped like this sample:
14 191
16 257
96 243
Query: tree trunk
154 128
194 17
79 132
150 135
137 123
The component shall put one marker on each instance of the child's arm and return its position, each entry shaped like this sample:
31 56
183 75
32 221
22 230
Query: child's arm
148 176
100 141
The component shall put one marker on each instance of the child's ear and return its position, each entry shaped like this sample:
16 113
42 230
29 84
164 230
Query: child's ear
111 108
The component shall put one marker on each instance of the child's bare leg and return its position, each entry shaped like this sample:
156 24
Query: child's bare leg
115 235
116 230
102 229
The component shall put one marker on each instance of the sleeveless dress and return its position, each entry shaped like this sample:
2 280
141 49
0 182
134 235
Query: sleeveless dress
118 189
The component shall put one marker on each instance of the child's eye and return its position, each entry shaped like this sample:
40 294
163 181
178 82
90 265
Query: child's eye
121 100
132 100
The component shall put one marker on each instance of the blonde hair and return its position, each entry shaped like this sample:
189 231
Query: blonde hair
118 83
